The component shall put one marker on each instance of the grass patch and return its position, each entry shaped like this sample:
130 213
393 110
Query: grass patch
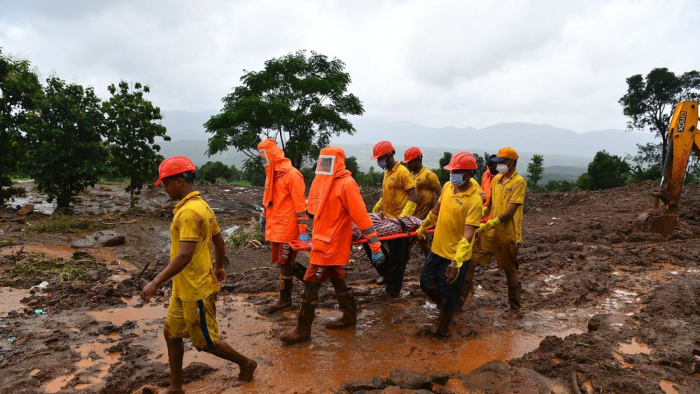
52 271
240 183
242 238
62 224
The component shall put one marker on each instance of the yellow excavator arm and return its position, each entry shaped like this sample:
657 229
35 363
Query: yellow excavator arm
683 138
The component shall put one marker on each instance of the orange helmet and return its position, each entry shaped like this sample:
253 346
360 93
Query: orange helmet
173 166
411 153
381 149
462 161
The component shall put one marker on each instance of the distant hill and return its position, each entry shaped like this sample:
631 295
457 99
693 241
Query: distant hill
566 153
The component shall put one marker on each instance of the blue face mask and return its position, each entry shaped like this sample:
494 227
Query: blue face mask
382 164
458 179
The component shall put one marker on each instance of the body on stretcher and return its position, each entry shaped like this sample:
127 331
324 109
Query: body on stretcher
298 245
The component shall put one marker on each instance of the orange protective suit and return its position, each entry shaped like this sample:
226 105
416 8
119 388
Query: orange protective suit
335 203
284 196
486 182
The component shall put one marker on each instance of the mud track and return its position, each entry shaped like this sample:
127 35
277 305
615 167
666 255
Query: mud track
608 308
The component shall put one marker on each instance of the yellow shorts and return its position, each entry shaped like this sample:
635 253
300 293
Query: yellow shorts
195 320
505 254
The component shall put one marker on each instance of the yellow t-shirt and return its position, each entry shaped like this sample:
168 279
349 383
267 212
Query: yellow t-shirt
426 183
194 221
511 191
479 190
397 182
456 211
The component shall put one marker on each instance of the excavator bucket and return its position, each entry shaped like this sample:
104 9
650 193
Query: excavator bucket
658 221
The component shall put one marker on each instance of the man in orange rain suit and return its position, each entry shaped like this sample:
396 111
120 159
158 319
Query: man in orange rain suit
427 187
335 203
398 199
283 218
501 236
486 180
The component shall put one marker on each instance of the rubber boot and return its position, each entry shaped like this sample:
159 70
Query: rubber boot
299 270
434 296
442 326
285 300
466 289
346 304
307 313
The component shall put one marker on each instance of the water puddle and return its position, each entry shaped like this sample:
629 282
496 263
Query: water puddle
95 362
633 347
668 387
10 299
134 312
621 360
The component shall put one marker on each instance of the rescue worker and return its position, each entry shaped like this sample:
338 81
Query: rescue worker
192 307
456 218
335 203
427 188
487 178
501 236
398 199
283 218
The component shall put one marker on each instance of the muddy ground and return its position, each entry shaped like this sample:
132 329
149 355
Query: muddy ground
608 307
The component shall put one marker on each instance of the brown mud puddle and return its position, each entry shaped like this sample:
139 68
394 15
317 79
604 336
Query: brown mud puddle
382 341
633 347
10 299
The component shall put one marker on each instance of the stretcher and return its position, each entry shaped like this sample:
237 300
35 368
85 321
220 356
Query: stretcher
298 245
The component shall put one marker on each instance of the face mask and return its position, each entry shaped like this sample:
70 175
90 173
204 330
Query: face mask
382 164
502 168
458 179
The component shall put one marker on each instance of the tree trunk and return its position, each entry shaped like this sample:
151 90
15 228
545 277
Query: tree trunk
131 201
2 198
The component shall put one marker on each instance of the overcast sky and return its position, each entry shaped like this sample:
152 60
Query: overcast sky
436 63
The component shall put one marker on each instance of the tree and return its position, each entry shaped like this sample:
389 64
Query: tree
604 172
131 132
298 100
20 93
535 169
442 174
254 172
65 141
645 165
212 171
649 102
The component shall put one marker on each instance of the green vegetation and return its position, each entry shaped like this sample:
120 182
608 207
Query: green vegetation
298 99
66 224
42 269
242 238
535 169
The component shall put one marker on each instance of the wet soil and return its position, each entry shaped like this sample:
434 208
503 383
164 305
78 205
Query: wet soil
608 307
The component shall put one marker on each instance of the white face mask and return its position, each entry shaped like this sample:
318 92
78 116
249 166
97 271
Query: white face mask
502 168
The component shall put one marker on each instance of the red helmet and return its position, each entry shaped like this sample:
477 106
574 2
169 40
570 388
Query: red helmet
411 153
173 166
381 149
462 161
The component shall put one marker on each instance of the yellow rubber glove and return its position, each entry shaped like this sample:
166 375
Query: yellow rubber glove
464 252
377 207
488 226
484 211
427 224
408 209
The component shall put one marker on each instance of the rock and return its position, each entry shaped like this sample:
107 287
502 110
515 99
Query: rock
81 254
14 229
392 390
410 380
27 209
100 238
603 320
360 385
441 378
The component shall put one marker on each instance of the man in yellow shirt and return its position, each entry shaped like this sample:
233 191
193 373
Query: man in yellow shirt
192 308
427 189
456 218
398 199
501 236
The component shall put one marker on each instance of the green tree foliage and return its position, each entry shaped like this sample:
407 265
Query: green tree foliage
442 174
535 169
254 172
604 172
132 128
298 99
351 165
645 164
481 165
20 93
559 186
213 171
650 100
65 141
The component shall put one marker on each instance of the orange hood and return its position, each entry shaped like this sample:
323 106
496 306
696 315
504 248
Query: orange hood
273 156
330 166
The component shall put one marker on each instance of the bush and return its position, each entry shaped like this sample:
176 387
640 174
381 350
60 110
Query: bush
559 186
214 172
604 172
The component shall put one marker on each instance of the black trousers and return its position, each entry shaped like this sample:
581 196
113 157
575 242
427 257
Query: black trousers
433 279
397 253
